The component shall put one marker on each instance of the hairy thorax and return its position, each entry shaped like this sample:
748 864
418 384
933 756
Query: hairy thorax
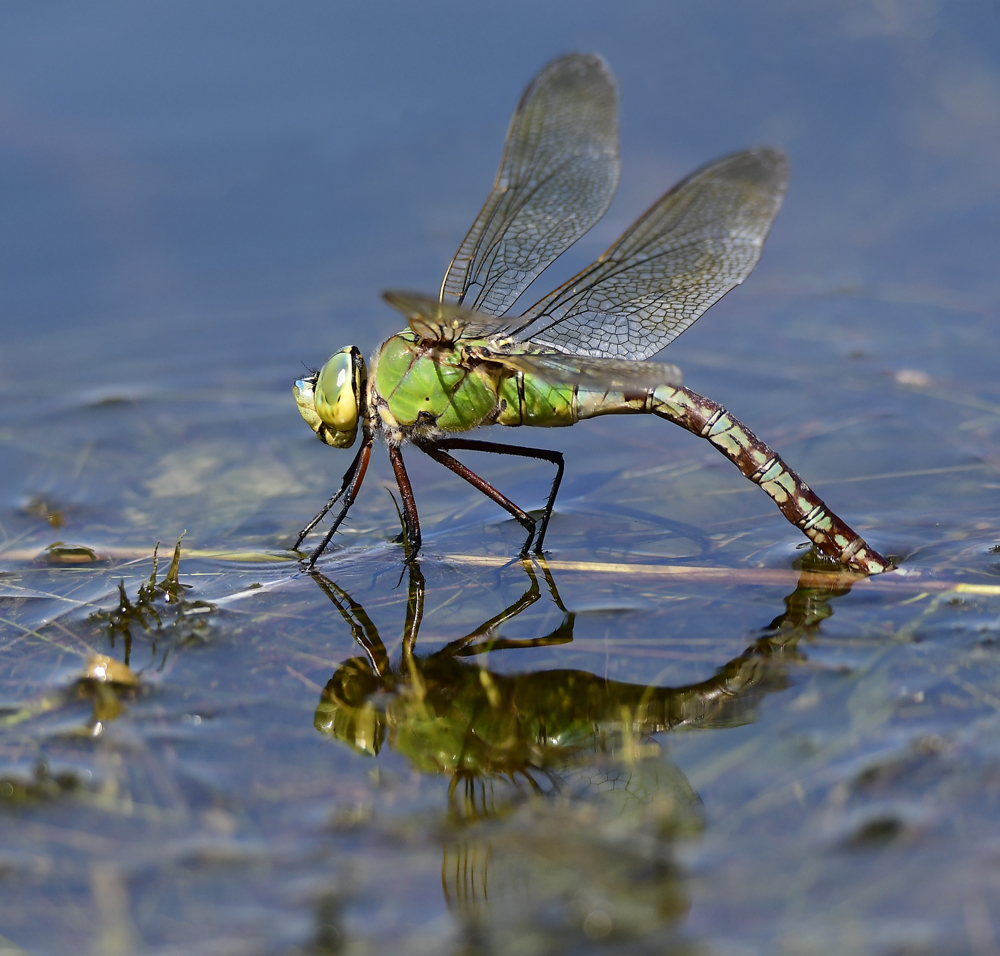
421 391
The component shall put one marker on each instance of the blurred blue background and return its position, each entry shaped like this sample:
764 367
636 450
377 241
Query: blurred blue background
235 182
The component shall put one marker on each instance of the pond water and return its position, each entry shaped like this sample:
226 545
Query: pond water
674 734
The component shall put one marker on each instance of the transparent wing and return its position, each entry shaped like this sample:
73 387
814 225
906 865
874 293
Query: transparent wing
442 321
558 368
557 176
699 241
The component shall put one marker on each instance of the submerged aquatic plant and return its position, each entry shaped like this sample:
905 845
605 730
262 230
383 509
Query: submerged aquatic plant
159 606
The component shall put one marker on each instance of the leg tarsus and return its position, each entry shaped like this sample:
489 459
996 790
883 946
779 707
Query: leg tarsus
560 463
348 476
526 547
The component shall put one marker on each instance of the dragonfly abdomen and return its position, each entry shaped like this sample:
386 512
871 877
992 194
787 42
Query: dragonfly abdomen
527 400
761 464
764 467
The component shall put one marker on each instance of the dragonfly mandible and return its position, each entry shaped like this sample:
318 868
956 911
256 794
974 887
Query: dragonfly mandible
583 350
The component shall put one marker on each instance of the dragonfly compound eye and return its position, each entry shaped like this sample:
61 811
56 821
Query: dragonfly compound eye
330 401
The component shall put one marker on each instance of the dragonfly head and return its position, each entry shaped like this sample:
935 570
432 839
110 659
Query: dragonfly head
330 399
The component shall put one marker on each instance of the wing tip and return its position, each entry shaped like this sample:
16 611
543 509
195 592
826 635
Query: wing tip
575 60
771 164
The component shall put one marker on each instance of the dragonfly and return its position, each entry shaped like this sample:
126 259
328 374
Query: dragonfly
584 350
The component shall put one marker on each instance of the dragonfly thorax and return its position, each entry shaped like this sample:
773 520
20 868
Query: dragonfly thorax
330 400
427 390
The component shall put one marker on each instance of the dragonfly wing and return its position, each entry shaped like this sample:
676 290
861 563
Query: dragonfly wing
700 240
557 176
558 368
443 321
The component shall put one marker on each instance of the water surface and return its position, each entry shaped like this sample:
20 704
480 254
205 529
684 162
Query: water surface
673 735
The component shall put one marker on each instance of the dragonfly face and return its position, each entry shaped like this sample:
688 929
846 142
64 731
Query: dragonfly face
330 399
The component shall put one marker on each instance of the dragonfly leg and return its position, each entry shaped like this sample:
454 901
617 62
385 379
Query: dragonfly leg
486 630
348 475
541 454
414 615
352 482
362 627
453 464
411 522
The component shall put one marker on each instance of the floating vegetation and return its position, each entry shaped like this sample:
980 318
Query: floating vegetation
159 606
60 553
30 785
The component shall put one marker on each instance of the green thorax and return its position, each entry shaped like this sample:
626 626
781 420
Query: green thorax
448 388
432 387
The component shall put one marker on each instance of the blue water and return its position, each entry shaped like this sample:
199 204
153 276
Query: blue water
198 199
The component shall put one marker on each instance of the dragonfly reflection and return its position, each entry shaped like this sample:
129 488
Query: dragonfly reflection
449 714
560 739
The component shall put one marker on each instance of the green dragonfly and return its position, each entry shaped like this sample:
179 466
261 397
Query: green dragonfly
582 350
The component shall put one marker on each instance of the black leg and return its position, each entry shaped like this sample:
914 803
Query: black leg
541 454
414 616
352 482
529 597
361 625
411 521
453 464
348 477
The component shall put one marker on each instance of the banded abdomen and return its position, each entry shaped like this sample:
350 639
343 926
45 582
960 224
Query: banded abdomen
530 403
